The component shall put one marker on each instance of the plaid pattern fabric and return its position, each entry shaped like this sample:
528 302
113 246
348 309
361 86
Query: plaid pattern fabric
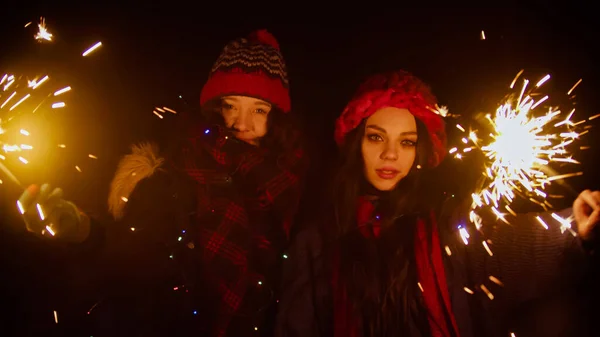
235 215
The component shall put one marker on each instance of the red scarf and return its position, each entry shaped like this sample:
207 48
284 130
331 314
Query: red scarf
435 292
230 218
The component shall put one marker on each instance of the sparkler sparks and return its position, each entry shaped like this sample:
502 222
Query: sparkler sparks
43 33
442 111
91 49
21 96
158 111
521 139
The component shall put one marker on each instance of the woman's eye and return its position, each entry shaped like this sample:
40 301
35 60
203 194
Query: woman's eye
374 137
227 106
260 111
407 142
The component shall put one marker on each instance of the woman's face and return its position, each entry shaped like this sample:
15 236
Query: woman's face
389 147
247 117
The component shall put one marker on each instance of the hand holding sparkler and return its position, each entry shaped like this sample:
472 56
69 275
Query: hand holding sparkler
520 141
46 213
586 210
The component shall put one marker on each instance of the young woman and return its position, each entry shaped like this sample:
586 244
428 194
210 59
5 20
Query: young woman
396 265
202 225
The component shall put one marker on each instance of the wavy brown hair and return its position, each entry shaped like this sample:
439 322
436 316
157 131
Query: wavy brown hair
380 273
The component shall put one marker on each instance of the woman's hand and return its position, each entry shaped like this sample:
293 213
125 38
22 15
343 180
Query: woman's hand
46 213
586 210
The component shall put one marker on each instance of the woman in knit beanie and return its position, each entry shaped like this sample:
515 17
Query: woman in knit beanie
251 138
386 262
201 225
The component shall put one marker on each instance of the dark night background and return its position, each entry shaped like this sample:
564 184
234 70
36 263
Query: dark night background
152 54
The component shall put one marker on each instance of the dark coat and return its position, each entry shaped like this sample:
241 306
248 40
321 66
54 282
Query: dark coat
142 266
528 260
177 247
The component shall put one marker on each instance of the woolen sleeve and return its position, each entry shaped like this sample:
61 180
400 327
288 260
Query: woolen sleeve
303 307
529 259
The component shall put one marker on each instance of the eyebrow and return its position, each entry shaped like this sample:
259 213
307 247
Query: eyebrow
265 104
380 129
235 99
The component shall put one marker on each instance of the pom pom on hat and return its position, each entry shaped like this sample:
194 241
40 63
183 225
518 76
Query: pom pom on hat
264 37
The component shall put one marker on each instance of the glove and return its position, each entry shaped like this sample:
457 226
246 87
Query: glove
46 213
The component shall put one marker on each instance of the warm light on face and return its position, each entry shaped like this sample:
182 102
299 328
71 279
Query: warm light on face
389 147
246 116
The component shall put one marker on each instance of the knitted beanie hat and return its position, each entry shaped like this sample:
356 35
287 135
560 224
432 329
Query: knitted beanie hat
251 67
398 89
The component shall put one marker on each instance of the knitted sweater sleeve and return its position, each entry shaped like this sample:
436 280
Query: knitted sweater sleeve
527 260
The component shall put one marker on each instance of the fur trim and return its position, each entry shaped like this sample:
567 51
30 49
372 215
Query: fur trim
143 161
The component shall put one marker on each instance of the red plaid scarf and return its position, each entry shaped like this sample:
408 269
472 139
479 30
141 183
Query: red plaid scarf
233 226
435 292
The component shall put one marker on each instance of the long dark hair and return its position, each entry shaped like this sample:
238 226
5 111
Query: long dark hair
283 129
380 274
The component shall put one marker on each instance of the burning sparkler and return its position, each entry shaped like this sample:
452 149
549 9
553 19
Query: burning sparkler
524 138
21 95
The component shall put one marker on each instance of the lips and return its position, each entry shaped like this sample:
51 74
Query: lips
387 173
245 138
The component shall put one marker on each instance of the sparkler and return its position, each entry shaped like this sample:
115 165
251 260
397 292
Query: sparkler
21 96
520 141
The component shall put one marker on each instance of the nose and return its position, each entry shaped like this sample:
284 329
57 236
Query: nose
241 121
390 151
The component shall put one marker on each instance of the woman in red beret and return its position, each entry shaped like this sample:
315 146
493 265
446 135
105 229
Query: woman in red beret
387 261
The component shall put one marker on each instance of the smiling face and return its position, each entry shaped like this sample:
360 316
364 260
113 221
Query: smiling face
389 147
247 117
